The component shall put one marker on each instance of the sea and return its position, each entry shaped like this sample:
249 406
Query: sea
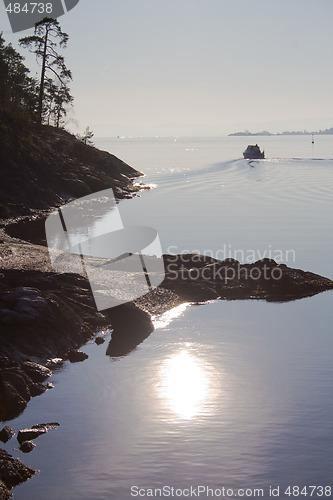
224 399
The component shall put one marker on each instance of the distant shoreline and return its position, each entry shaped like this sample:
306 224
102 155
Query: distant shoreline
247 133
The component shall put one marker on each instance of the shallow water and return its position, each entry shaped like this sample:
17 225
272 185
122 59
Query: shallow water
236 394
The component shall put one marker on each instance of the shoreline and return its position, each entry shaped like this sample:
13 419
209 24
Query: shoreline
47 315
42 169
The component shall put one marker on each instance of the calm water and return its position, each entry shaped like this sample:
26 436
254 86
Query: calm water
234 394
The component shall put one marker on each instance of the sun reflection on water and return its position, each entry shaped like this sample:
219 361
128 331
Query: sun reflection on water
163 320
185 385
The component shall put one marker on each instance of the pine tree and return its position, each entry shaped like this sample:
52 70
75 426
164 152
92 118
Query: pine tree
56 99
87 136
46 39
17 88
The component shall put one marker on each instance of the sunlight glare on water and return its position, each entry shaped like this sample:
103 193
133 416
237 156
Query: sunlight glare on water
163 320
185 385
230 392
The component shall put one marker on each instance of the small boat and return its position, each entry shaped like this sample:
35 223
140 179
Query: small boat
253 152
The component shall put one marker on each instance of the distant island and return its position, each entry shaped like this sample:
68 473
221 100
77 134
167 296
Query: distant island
328 131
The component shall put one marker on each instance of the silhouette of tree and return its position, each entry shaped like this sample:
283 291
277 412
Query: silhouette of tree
56 99
43 43
17 89
86 137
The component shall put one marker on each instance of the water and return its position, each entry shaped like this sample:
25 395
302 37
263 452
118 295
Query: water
236 394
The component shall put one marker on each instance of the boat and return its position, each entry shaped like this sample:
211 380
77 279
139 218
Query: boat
253 152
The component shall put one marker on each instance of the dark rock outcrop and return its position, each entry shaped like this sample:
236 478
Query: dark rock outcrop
5 494
12 473
193 279
18 383
66 321
35 431
50 426
27 446
46 315
76 356
99 340
6 434
28 434
44 168
131 326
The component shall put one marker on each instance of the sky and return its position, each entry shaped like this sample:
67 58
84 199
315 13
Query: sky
197 67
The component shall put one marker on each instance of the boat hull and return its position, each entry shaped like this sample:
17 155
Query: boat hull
253 153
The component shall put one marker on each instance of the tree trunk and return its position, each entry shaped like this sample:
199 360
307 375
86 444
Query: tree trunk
42 80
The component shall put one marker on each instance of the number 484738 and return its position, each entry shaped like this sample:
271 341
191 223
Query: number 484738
29 8
309 491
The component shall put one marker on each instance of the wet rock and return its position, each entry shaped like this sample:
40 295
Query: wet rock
6 434
27 446
48 427
37 372
17 386
76 356
5 494
54 363
230 280
131 326
28 434
12 473
23 304
99 340
60 313
69 319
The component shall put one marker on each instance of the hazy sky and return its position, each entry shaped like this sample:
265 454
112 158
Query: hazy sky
198 67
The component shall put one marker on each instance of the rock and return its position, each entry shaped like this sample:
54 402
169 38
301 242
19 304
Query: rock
60 314
54 363
69 319
131 326
27 446
48 427
17 387
24 304
42 168
28 434
99 340
230 280
6 434
5 494
76 356
37 372
12 471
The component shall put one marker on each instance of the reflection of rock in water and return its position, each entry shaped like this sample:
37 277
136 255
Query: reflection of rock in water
47 314
131 326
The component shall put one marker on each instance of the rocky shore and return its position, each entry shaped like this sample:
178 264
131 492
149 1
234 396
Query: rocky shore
41 169
47 316
45 168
